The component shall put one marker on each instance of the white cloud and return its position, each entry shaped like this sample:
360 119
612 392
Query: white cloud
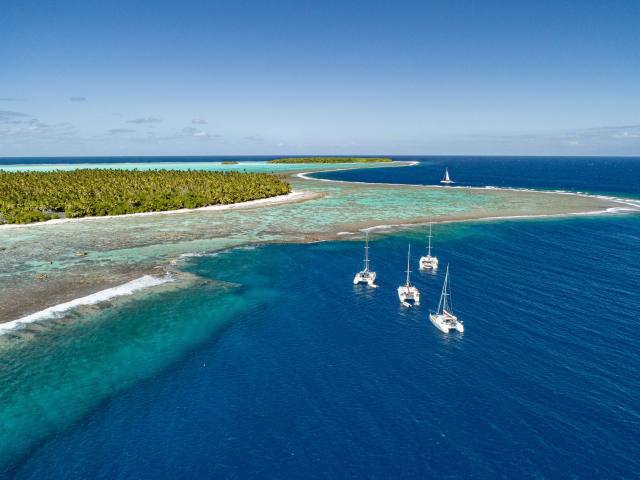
7 116
22 125
627 134
253 139
143 120
116 131
194 132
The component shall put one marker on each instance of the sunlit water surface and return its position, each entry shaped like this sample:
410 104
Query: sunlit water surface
267 361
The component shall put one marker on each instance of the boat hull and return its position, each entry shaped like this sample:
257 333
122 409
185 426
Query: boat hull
368 278
446 323
428 263
409 294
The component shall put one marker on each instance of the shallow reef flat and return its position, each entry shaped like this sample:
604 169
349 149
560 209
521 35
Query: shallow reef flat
47 264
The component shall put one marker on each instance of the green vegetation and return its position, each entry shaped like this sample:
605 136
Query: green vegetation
331 160
229 162
27 197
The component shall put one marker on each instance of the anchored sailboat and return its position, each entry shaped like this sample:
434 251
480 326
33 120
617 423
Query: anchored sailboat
446 178
443 318
365 275
428 262
407 292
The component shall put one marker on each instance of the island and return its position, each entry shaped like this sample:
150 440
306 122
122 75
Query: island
47 265
331 160
33 196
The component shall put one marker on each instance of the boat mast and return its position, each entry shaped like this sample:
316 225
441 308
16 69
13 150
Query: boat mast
366 251
408 284
429 251
445 293
446 174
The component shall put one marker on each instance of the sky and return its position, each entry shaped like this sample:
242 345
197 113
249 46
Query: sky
245 77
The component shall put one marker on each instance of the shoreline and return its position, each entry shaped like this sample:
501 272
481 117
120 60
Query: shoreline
63 292
291 197
149 281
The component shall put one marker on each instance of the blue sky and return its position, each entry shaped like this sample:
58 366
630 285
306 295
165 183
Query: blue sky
295 77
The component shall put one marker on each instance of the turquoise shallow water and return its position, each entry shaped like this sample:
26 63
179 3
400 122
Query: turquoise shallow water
54 373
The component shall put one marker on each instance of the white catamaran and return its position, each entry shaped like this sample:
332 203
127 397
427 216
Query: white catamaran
446 178
429 262
366 275
408 293
443 318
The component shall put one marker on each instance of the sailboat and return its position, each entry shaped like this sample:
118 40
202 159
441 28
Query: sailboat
446 178
428 262
407 292
443 318
365 275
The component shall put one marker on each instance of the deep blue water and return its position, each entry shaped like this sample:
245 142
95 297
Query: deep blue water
603 175
315 378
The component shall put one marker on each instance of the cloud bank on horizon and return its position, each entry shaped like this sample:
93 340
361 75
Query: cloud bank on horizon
405 77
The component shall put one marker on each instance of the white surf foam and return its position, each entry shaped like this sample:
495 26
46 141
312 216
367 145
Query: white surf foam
144 282
610 210
385 227
183 256
199 254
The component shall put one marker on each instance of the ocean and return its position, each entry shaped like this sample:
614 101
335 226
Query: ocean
601 175
274 365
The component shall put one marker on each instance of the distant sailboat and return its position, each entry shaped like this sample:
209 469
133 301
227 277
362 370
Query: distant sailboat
429 262
407 292
365 275
446 178
443 318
